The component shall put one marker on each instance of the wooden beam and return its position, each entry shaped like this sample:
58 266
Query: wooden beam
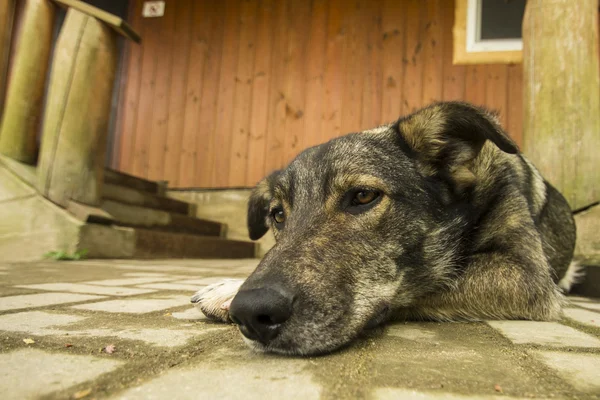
562 95
28 80
7 12
72 156
116 23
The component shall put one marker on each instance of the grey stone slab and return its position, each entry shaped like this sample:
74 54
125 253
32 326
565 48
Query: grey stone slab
171 286
37 323
190 314
407 394
129 281
205 281
82 288
582 371
31 373
586 317
144 274
40 323
42 300
550 334
592 305
136 306
258 379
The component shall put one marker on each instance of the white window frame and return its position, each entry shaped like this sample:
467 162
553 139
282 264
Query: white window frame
474 42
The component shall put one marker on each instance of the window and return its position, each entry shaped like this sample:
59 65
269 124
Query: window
488 31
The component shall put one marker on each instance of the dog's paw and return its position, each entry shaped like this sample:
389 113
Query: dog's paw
214 300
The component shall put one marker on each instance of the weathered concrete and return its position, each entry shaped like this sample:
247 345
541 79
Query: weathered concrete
165 349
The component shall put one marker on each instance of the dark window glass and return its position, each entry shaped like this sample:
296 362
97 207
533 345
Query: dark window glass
502 19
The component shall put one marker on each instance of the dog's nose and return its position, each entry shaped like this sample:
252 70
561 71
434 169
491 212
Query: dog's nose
260 313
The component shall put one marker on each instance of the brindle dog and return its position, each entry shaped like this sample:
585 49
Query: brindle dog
437 216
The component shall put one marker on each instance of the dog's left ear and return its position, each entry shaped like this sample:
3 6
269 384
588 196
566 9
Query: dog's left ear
447 137
258 207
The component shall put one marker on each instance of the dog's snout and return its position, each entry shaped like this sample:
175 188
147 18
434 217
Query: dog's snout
260 313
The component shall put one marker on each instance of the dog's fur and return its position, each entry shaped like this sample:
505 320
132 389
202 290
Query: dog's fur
465 228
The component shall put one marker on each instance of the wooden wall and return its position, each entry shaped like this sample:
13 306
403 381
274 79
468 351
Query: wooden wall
222 92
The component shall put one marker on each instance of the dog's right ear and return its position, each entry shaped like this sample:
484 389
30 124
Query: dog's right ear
258 207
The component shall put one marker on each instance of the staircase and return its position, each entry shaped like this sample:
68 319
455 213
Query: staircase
164 227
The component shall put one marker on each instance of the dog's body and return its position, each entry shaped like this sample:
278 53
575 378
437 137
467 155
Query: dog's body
437 216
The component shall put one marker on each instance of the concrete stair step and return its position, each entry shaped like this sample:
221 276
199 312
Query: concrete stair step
136 216
122 179
142 198
160 244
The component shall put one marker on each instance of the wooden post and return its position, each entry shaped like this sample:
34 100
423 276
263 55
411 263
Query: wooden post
7 11
26 87
77 112
562 95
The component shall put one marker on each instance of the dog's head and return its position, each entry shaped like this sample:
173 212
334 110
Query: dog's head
364 224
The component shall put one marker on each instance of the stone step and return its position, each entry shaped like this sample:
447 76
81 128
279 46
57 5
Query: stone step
160 244
122 179
136 216
141 198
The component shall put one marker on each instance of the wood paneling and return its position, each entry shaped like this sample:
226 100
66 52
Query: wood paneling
219 94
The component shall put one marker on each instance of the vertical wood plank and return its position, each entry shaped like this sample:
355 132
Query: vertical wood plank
413 57
514 126
454 75
475 84
201 25
242 105
180 54
7 12
143 125
259 118
332 108
231 39
299 15
317 40
160 105
354 68
372 84
276 128
433 53
129 105
394 35
496 91
206 129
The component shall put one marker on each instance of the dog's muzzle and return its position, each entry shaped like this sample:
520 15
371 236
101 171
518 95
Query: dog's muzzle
260 313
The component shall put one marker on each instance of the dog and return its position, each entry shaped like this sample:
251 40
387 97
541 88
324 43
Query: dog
436 216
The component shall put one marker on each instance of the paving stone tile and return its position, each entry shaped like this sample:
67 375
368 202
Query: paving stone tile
136 306
550 334
264 378
205 281
144 274
40 323
586 317
42 299
171 286
190 314
82 288
412 333
31 373
37 323
592 305
407 394
129 281
580 370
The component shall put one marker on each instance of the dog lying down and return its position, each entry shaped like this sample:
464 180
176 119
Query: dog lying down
437 216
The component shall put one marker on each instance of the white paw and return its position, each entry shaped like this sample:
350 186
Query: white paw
214 300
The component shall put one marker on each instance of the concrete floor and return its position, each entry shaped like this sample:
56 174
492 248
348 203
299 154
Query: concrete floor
126 330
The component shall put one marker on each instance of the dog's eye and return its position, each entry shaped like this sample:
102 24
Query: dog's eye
364 197
278 216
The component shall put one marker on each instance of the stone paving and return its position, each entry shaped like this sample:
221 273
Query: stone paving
126 330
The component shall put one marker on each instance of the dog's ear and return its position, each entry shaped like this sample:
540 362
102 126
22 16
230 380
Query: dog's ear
446 137
258 206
